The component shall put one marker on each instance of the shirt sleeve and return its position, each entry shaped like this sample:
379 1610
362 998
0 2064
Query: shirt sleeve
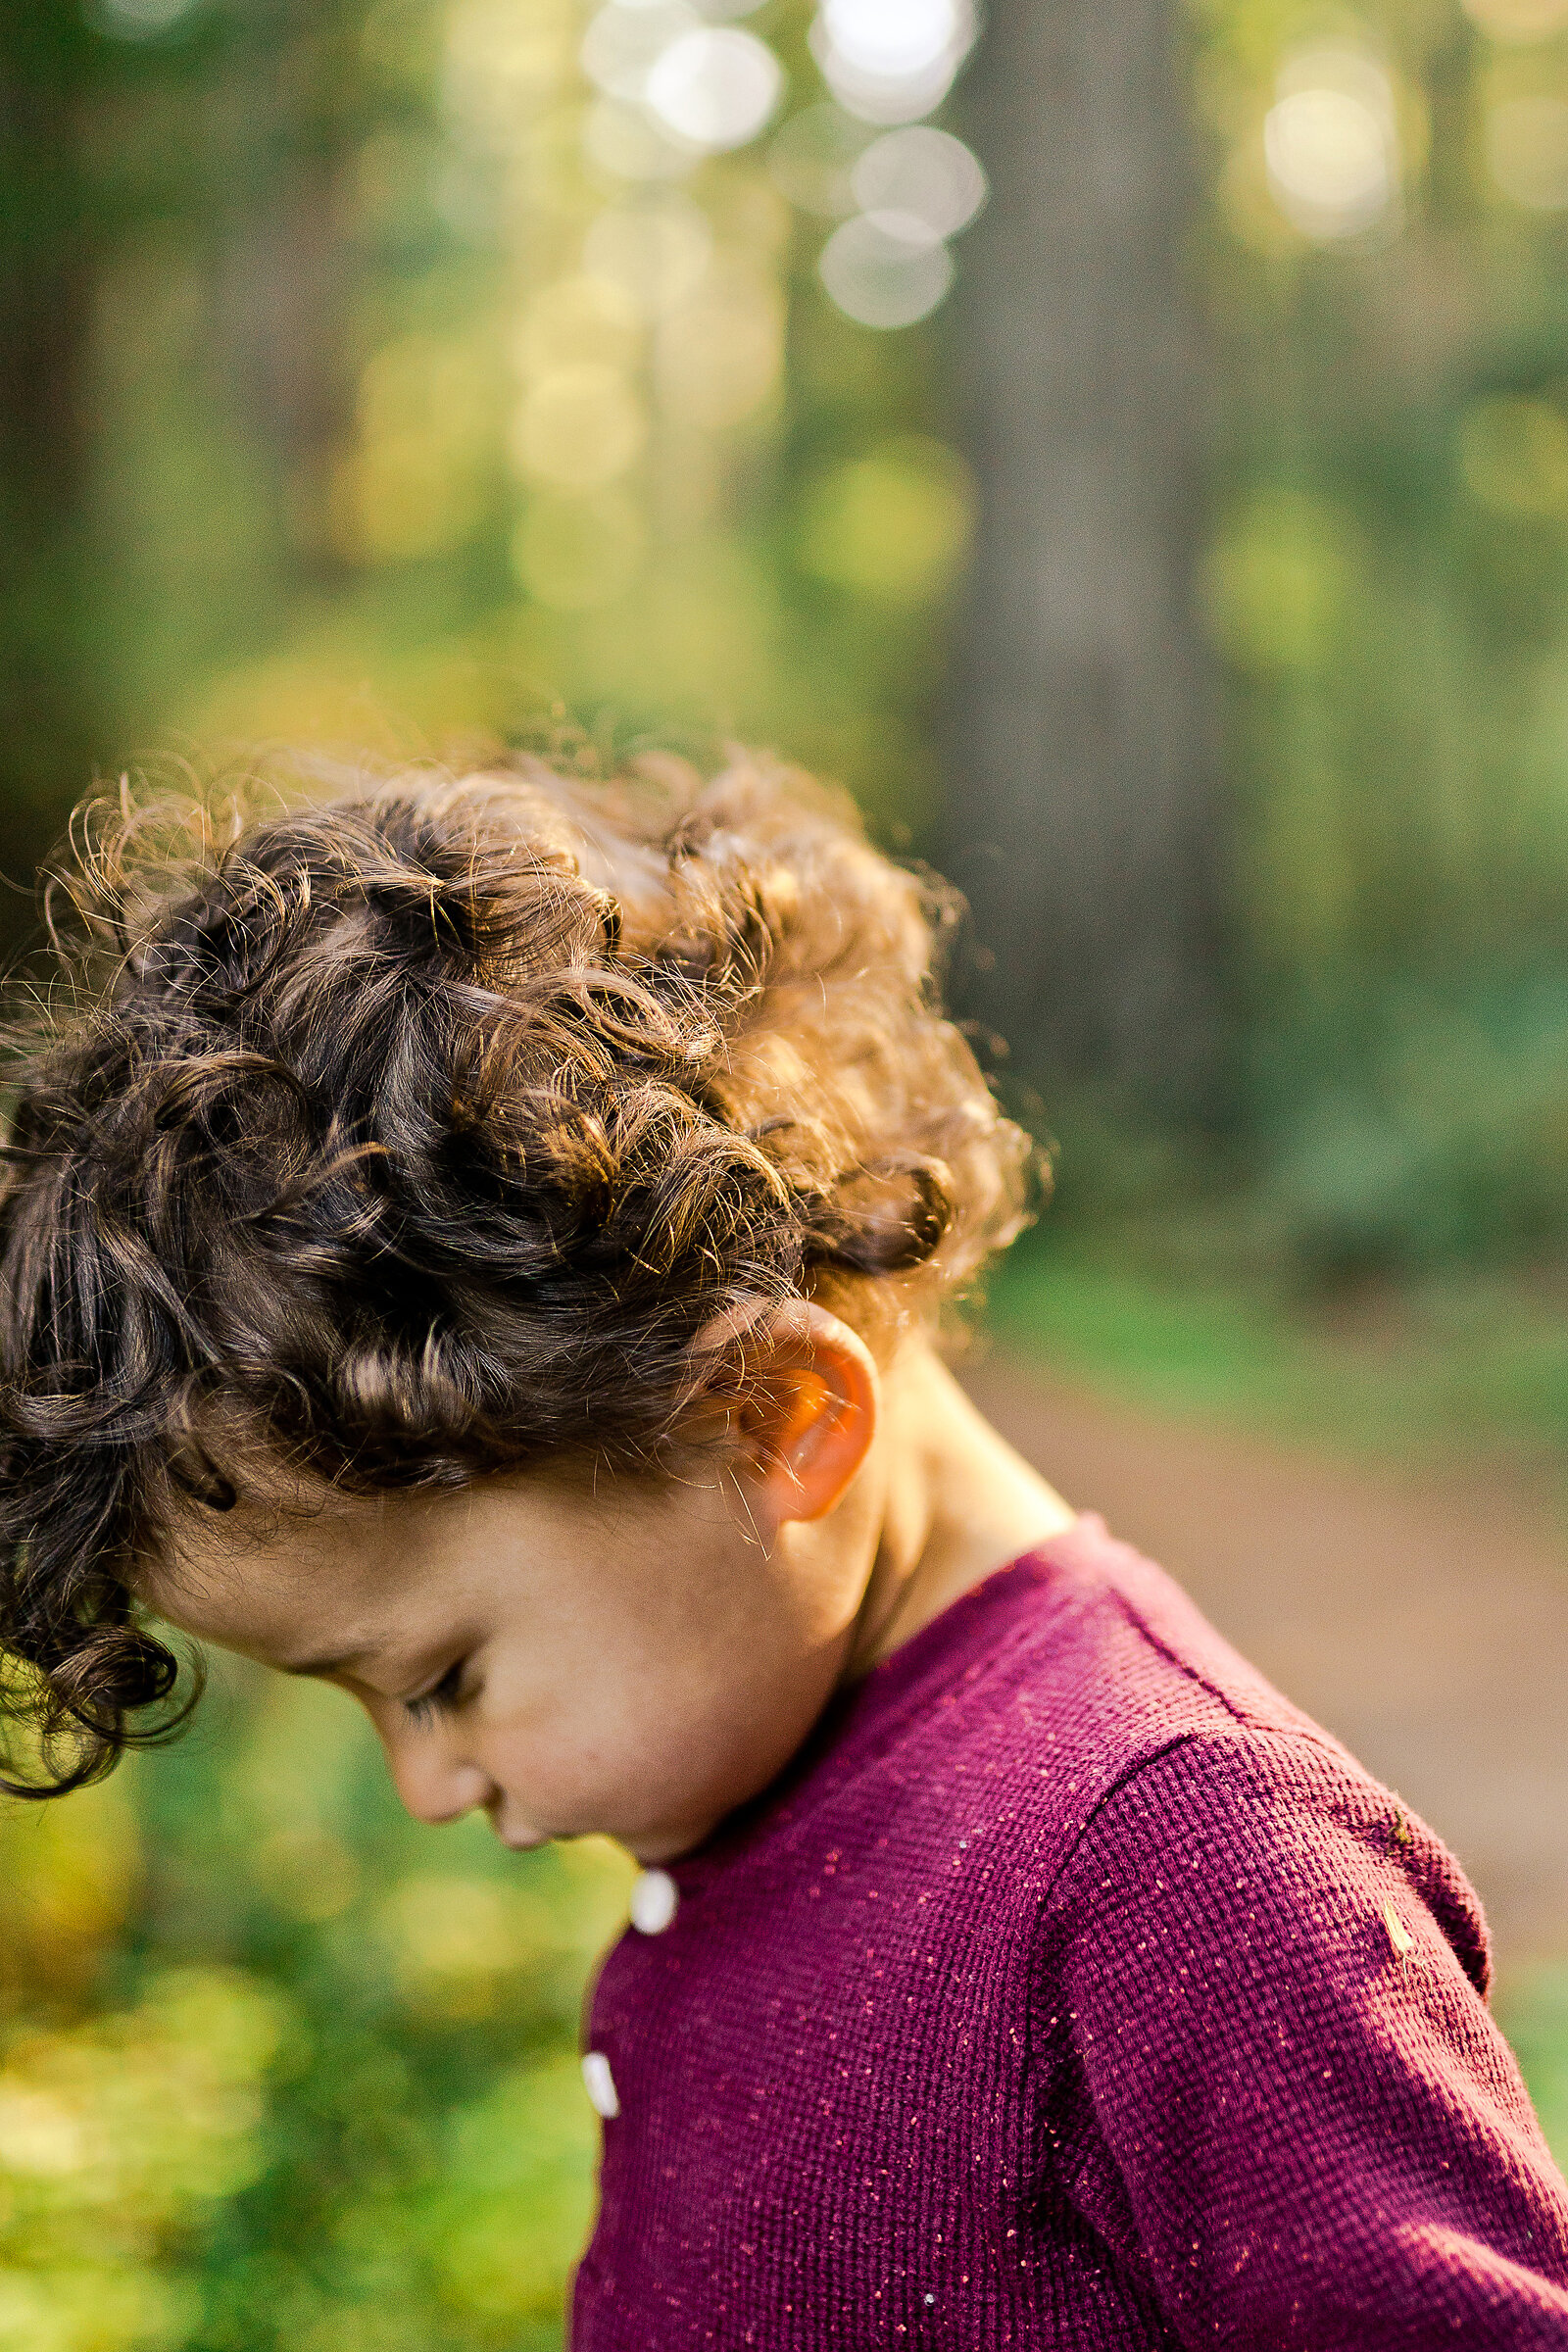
1268 2078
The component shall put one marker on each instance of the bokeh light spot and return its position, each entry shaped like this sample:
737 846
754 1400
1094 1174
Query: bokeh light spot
717 88
894 525
1513 454
926 173
578 319
890 61
876 98
502 61
1518 21
721 352
1330 144
895 38
623 45
813 156
1527 152
655 251
1280 582
415 483
626 141
886 269
451 1942
578 426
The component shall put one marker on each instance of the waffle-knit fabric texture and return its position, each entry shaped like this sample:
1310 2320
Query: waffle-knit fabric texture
1074 1990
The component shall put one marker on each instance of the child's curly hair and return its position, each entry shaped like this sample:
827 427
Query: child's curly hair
419 1132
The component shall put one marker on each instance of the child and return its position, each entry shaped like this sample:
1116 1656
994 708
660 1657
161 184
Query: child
480 1242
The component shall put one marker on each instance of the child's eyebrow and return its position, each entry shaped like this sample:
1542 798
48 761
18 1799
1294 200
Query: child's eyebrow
320 1667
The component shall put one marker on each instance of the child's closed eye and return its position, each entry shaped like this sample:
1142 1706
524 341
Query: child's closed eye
442 1698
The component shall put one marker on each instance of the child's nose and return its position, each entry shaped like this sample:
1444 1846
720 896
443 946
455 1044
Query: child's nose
434 1785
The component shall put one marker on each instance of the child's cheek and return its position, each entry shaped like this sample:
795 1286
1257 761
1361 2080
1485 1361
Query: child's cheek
620 1764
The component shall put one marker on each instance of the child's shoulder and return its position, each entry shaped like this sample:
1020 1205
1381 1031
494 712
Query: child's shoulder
1168 1668
1091 1700
1093 1651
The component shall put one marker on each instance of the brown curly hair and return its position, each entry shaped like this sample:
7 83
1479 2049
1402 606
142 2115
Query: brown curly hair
417 1133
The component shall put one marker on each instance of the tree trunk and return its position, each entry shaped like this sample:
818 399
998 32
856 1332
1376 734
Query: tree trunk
50 724
1082 757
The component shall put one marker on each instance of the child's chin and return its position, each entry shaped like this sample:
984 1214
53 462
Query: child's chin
653 1848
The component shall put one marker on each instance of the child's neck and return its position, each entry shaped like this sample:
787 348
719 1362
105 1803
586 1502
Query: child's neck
955 1504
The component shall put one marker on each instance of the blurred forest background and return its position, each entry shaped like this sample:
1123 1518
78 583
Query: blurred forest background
1173 546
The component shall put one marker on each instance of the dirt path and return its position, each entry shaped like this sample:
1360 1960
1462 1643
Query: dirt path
1426 1625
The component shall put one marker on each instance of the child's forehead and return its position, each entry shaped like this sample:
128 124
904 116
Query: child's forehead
350 1580
295 1544
269 1544
368 1586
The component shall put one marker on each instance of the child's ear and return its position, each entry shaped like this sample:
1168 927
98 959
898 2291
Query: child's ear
807 1411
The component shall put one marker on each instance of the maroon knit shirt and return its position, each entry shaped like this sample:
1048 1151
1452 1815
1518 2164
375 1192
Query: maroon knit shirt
1073 1990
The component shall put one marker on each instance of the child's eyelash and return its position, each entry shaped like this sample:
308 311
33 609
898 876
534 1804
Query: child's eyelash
440 1700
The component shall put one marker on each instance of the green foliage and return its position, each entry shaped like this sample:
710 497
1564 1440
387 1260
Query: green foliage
1465 1365
1533 2014
279 2069
412 420
1388 585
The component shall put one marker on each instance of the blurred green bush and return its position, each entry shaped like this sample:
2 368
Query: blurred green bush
278 2068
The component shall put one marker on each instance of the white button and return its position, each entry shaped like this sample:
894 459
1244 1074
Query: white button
654 1900
600 2085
